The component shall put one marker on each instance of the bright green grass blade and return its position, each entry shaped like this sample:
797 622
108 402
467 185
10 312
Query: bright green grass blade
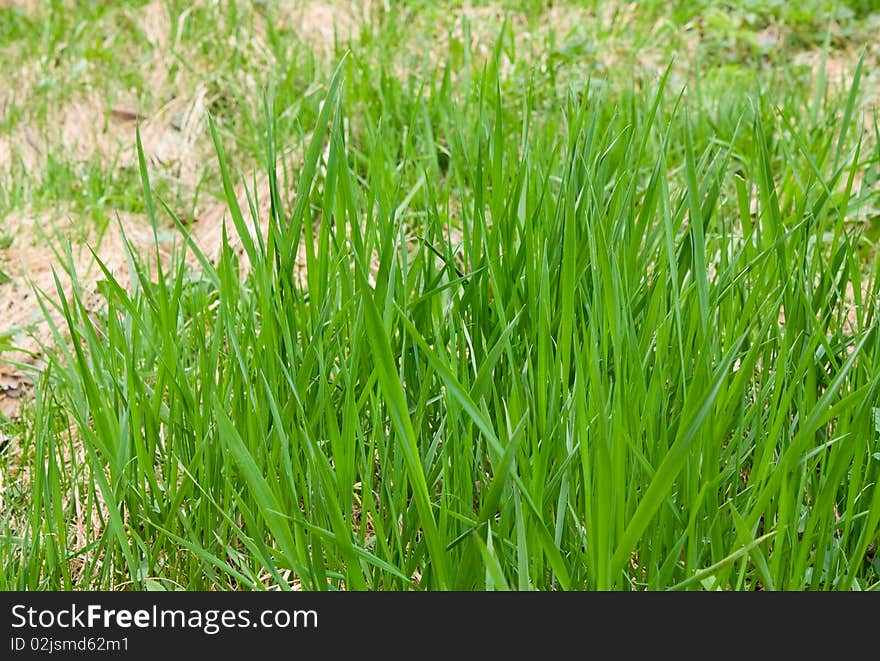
271 509
392 389
672 464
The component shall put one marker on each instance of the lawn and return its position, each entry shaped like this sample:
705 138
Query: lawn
424 296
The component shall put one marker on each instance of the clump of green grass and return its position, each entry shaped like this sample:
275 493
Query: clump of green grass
625 343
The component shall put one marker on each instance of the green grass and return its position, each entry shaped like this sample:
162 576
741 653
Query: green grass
546 335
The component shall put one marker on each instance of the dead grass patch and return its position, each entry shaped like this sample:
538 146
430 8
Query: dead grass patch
322 24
